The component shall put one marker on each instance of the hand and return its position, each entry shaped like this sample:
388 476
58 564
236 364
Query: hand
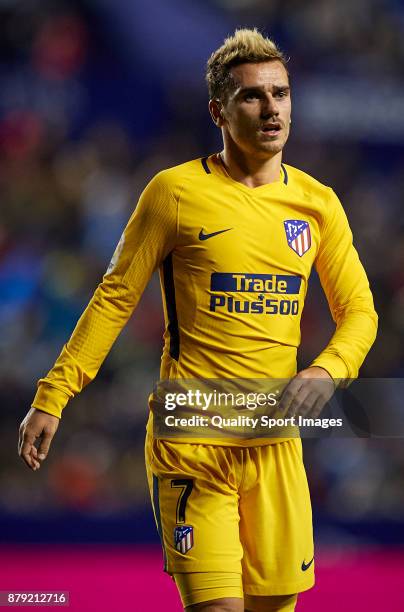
37 424
307 393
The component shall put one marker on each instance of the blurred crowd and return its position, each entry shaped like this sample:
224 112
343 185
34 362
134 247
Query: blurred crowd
84 125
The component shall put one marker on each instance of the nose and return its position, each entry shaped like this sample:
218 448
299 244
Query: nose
269 107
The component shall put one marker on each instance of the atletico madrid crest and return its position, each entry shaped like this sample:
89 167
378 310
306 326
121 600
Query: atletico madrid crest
298 235
184 538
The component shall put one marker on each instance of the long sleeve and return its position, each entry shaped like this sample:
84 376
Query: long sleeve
348 294
148 238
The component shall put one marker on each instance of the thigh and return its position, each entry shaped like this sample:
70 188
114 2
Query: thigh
196 506
272 603
276 521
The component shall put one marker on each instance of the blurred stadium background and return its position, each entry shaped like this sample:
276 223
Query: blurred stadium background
95 97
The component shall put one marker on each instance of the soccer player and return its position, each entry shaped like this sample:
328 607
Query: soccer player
235 236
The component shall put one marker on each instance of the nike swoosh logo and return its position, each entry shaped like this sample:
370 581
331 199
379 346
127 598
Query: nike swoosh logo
305 566
203 236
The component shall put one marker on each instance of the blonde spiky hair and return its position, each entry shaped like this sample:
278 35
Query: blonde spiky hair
244 46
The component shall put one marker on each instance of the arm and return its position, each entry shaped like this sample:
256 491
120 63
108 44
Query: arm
349 297
148 238
351 304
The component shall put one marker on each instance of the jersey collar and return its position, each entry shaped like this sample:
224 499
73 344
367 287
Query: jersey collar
214 165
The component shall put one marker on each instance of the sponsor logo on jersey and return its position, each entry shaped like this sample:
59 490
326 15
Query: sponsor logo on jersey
183 538
203 236
255 283
298 235
258 286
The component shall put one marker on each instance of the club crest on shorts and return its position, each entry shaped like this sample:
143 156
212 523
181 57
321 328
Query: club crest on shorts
298 235
184 538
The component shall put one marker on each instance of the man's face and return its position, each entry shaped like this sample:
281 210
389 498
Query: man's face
256 114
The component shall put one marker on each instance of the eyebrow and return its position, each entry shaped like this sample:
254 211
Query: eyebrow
275 88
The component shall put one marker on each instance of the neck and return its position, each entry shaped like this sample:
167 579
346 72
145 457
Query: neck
250 170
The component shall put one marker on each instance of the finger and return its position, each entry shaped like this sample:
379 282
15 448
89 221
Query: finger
27 441
298 401
294 396
289 393
307 406
34 460
25 450
33 457
19 445
318 407
43 448
30 460
21 434
26 436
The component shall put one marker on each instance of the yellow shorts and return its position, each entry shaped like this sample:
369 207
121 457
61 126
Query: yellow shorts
243 510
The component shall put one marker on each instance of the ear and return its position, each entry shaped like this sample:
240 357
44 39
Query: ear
216 112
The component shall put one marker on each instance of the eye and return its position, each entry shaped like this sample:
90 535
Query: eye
282 93
251 96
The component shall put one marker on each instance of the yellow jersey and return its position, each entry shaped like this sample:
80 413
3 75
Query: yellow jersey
234 265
